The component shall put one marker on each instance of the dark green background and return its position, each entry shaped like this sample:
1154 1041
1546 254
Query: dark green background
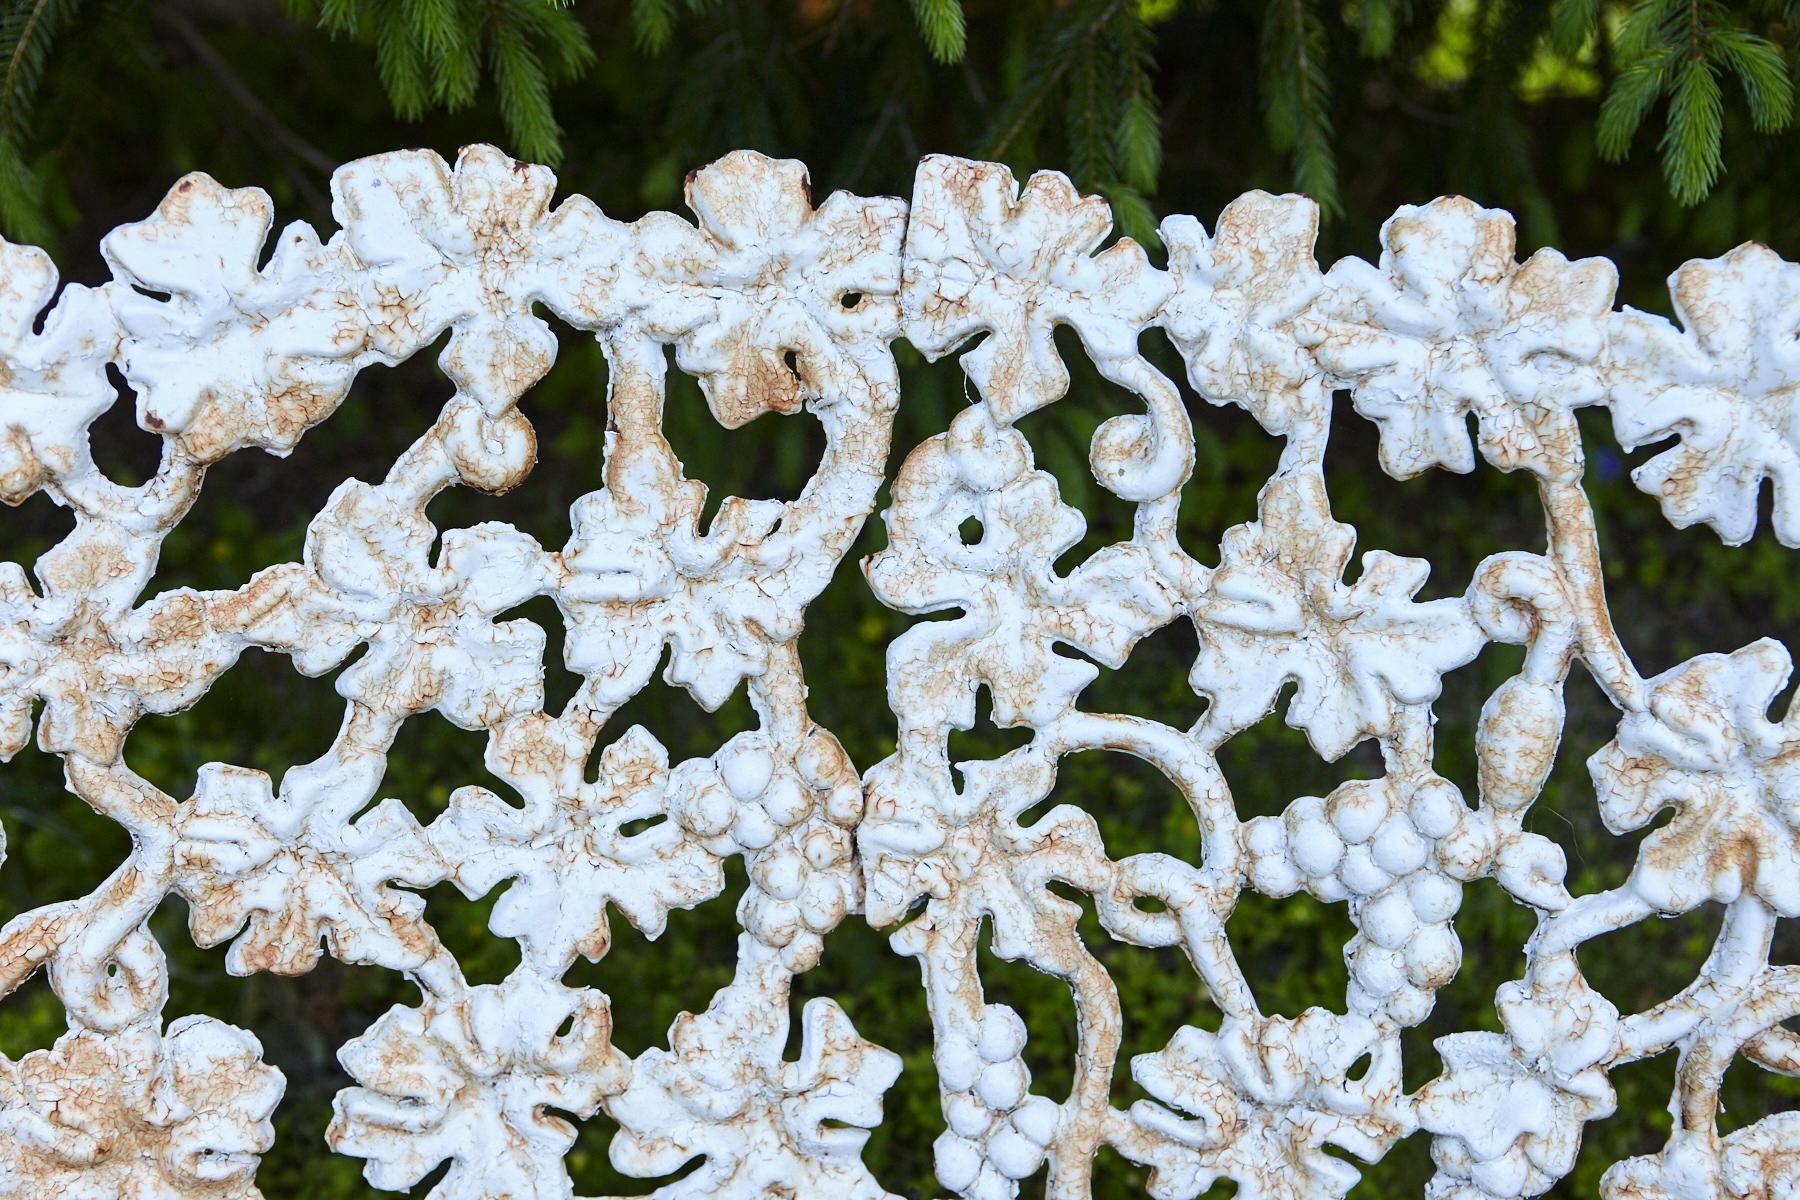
128 106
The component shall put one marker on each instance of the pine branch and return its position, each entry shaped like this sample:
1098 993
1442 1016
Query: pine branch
1571 24
400 65
1083 67
447 35
1649 24
1678 49
1297 96
21 197
1051 57
1691 144
522 88
944 27
1090 150
1138 140
1629 101
652 24
556 33
1763 72
27 33
22 42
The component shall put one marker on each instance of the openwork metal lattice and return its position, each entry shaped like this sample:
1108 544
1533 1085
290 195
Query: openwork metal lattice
777 306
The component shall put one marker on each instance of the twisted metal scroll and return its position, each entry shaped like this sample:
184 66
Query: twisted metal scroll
777 306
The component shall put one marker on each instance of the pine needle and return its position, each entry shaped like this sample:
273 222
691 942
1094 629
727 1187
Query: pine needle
1571 24
1763 72
1297 96
523 91
1629 101
652 24
944 27
1691 145
27 32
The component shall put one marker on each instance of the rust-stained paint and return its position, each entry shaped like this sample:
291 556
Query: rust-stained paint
779 306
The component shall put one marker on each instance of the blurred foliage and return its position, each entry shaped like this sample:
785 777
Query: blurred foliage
1497 100
1322 96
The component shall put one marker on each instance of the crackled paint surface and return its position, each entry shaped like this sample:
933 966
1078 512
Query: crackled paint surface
778 306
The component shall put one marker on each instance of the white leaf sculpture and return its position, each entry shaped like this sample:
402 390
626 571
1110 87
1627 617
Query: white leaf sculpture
780 306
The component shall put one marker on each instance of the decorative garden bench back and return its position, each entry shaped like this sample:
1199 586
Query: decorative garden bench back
777 306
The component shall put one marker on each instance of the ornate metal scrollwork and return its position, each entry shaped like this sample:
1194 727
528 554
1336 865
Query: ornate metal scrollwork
779 306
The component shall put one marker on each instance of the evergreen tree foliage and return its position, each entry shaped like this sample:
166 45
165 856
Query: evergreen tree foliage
27 31
1071 82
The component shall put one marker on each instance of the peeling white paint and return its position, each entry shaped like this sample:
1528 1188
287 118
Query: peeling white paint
778 306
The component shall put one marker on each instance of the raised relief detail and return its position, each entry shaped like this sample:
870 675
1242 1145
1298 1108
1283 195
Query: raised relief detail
1458 352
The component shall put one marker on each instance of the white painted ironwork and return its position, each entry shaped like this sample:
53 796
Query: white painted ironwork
777 306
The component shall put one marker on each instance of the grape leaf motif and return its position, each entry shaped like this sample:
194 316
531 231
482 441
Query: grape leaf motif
289 872
1727 383
762 1123
1707 748
180 1114
1278 610
471 1083
1262 1092
1450 324
983 255
1509 1109
1237 295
